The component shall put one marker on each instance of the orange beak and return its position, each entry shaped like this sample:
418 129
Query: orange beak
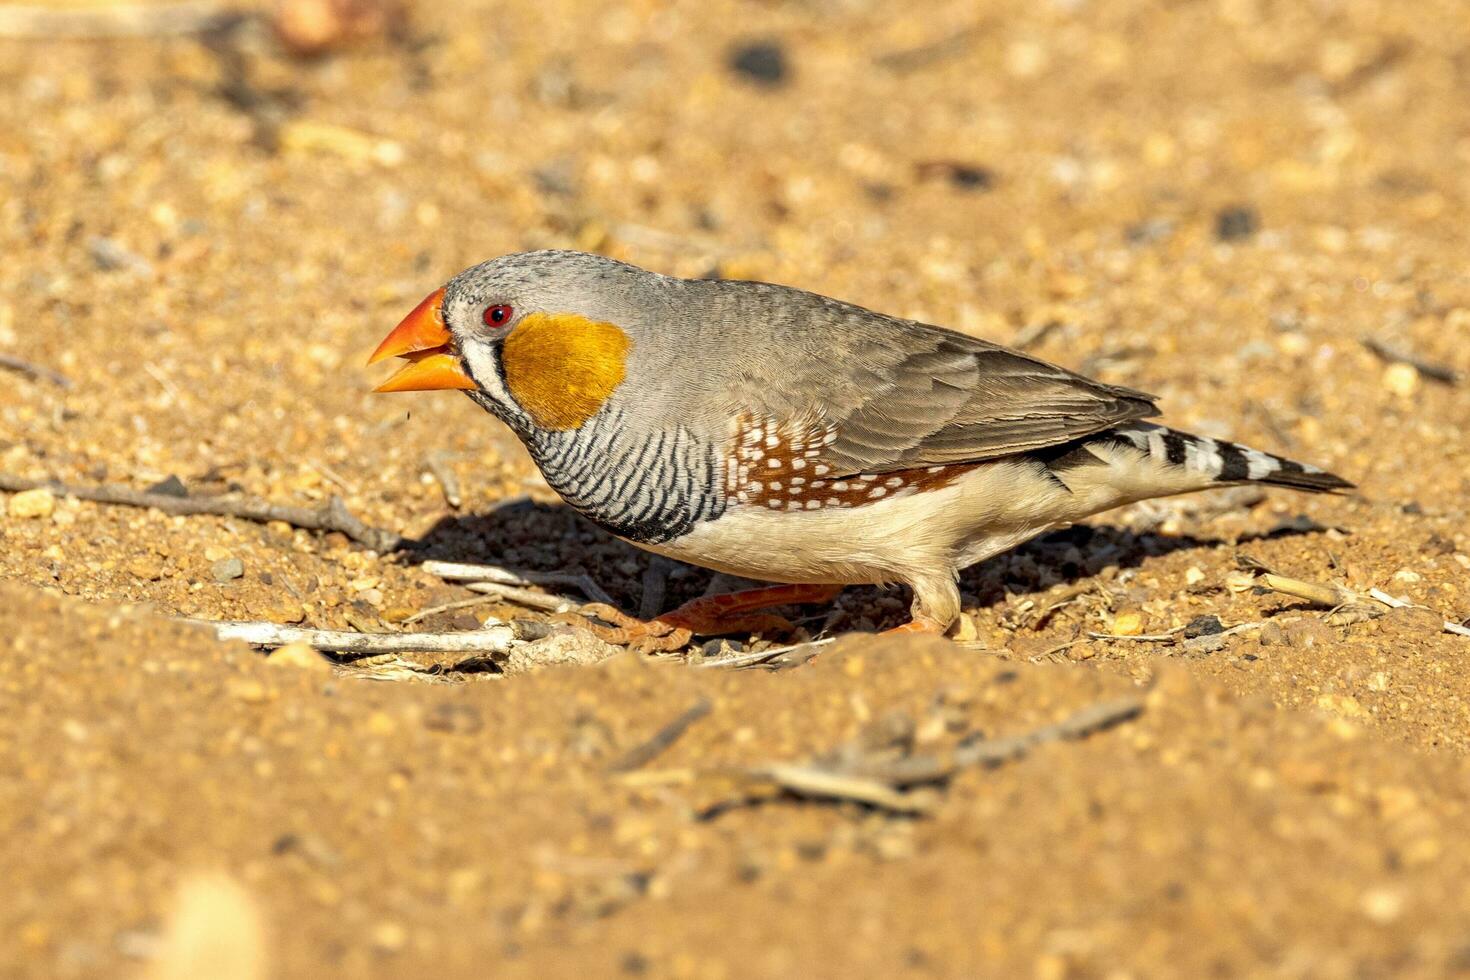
423 340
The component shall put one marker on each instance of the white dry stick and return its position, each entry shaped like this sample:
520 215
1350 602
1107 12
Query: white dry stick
823 784
738 660
452 571
492 639
524 597
448 607
439 465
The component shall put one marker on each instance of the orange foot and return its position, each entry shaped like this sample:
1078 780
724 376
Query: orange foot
714 615
918 626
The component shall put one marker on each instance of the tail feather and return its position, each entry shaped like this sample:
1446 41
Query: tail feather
1216 462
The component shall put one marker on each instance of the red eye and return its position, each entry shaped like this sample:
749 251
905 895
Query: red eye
498 316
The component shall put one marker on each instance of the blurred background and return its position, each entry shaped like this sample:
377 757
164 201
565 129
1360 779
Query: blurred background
210 212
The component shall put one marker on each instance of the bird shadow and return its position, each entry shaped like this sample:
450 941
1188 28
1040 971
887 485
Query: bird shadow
527 536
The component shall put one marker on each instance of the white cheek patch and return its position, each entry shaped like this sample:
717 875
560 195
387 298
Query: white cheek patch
484 369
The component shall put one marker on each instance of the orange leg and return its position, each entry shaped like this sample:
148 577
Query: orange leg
714 615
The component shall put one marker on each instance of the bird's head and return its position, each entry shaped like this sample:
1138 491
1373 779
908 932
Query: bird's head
539 338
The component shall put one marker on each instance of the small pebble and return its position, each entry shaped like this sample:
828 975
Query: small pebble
1401 379
170 486
32 503
1203 626
227 569
1234 223
1127 623
762 62
301 655
148 569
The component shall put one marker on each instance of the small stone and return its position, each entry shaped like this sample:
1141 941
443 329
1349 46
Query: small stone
301 655
1401 379
148 569
1306 634
1272 635
965 630
1193 576
1237 222
1203 626
396 614
464 621
720 647
32 503
965 176
214 553
1127 623
170 486
762 62
227 569
289 611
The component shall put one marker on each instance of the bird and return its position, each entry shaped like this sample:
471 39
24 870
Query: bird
781 435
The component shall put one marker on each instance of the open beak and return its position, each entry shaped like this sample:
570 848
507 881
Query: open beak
423 340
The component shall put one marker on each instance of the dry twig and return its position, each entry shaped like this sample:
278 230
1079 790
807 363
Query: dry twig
458 572
438 465
34 371
763 657
642 754
497 638
333 516
1139 637
1442 373
523 597
857 774
423 614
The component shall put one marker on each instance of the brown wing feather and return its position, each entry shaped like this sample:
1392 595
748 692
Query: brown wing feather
924 396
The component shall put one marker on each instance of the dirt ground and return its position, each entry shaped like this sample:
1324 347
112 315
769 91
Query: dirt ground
1217 202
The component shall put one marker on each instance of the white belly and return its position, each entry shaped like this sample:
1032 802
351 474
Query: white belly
897 539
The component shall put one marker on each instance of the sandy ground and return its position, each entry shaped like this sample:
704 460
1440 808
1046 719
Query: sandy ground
1216 202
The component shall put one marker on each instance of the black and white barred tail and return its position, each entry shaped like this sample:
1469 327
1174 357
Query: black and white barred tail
1212 462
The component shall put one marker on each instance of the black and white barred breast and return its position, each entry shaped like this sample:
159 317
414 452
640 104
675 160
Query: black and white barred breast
645 487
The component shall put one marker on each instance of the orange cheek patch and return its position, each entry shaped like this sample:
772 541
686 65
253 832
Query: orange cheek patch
561 368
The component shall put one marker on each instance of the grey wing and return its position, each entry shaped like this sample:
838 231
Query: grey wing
925 397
